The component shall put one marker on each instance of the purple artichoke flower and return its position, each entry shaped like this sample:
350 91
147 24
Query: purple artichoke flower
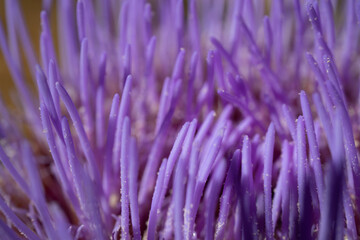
181 119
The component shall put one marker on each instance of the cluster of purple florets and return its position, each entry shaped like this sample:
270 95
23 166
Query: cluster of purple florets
182 119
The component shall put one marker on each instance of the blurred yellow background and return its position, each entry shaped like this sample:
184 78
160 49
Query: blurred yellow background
31 11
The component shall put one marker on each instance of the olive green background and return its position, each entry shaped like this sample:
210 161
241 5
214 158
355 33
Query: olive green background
31 11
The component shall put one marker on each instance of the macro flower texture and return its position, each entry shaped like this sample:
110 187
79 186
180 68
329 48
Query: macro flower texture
182 119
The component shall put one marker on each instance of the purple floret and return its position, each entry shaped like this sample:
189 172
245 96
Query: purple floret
199 119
